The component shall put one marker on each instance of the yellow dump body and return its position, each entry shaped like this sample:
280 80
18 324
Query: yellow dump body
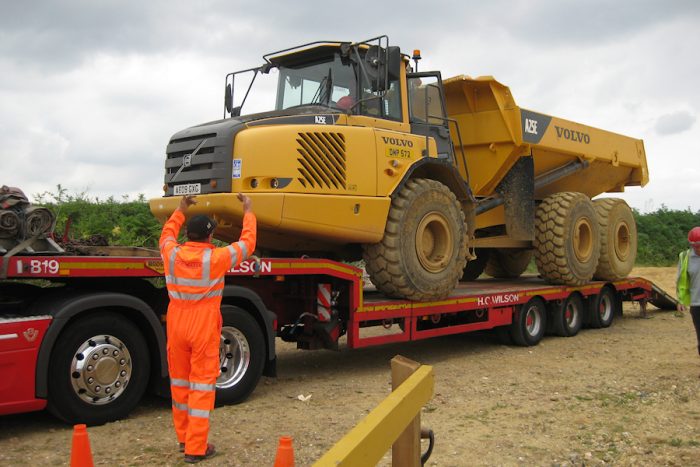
496 133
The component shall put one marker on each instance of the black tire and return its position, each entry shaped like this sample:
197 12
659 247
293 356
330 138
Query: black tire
242 355
99 370
508 263
618 239
476 266
529 323
567 239
602 308
567 318
423 252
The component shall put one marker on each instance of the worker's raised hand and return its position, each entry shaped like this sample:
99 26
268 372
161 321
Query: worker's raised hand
247 202
186 202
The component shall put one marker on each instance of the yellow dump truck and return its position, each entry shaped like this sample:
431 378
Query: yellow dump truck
359 155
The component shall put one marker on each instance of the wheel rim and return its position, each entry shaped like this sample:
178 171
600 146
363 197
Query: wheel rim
605 308
622 241
571 315
434 242
583 240
101 369
533 321
234 357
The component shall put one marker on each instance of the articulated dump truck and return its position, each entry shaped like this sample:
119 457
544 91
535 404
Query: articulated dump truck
357 155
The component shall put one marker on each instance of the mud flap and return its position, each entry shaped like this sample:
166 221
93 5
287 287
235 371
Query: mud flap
518 192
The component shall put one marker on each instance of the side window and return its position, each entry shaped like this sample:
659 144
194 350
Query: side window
386 106
424 100
392 101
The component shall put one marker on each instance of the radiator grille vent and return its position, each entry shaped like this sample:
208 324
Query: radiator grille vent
322 161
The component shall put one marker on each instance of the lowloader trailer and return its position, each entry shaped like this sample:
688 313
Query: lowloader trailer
89 341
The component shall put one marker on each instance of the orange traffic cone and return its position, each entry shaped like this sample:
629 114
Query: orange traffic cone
285 453
80 454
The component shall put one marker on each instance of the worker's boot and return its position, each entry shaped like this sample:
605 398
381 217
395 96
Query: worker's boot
193 459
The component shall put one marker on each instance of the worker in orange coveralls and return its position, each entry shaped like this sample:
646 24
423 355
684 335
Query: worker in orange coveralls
194 273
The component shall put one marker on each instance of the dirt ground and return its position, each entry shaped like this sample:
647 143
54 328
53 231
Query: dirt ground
627 395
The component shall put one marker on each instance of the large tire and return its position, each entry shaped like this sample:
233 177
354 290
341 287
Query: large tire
507 263
242 356
529 323
424 249
567 318
99 370
476 266
567 239
618 239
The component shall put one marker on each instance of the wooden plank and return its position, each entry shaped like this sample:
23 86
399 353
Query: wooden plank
405 451
371 438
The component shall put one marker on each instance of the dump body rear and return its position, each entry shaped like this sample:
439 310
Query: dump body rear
495 133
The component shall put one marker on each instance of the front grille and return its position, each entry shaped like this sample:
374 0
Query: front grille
322 163
211 163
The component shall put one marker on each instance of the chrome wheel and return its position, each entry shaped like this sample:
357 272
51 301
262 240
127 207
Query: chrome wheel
101 369
234 357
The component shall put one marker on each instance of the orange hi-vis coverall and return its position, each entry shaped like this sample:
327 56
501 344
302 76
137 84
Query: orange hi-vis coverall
194 274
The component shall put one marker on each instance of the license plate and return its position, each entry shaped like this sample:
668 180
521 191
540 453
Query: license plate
188 189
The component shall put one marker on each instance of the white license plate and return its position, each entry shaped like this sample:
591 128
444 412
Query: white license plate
188 189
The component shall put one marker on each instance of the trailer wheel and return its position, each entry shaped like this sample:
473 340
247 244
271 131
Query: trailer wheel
424 249
528 325
602 308
618 239
568 317
476 266
508 263
99 370
567 238
241 354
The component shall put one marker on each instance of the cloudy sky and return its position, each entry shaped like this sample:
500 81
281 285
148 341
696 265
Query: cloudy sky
91 90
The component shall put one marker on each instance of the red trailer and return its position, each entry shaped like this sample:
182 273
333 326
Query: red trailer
84 336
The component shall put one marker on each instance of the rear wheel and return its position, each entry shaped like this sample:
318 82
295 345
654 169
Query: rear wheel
618 239
99 370
568 318
602 308
528 325
507 263
241 354
567 239
424 249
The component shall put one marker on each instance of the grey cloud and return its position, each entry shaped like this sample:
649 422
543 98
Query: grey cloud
676 122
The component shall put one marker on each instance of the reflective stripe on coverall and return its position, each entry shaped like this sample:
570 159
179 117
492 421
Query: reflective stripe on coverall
194 274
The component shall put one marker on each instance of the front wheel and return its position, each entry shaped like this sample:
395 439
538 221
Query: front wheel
99 370
424 249
241 356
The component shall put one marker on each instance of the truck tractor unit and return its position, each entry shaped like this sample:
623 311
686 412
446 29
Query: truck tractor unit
349 152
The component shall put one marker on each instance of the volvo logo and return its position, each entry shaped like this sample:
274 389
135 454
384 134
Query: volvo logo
573 135
398 141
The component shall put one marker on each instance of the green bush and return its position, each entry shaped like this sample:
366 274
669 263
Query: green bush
126 222
663 234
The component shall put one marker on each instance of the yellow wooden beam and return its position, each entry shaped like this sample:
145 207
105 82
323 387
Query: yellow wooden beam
372 437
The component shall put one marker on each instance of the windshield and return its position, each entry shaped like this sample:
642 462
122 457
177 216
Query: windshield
328 80
323 82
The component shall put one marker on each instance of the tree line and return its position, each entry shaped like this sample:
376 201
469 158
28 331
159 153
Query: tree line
661 234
